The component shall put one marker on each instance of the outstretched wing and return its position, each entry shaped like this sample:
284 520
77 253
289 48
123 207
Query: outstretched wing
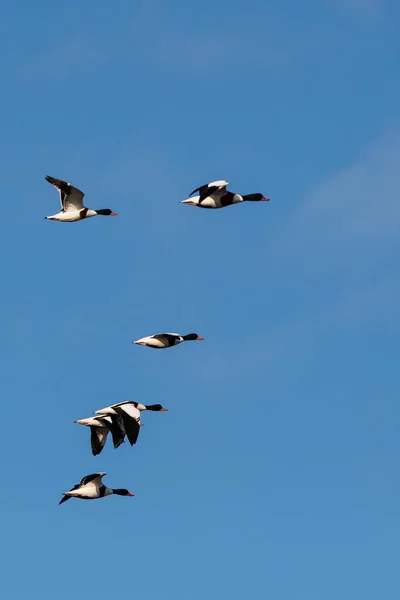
98 437
64 499
70 197
131 419
209 189
91 478
117 430
168 339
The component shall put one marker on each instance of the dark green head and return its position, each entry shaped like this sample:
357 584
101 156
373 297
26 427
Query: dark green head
122 492
106 212
255 198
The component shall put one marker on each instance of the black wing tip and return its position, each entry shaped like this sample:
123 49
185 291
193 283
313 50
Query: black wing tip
97 447
197 190
64 499
200 189
96 450
95 444
131 426
117 442
132 435
53 180
133 438
58 183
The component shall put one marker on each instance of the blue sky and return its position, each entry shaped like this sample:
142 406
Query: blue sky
275 472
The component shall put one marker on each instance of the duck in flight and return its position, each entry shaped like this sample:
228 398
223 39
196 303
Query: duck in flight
100 427
215 195
166 340
129 412
91 487
72 203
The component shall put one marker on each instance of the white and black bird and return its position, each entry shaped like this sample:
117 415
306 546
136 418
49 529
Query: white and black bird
215 195
91 487
72 203
99 430
129 411
166 340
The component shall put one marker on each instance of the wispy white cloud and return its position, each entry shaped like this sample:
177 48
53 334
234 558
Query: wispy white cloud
355 207
340 252
345 235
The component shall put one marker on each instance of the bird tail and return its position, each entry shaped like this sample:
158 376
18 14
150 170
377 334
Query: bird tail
64 499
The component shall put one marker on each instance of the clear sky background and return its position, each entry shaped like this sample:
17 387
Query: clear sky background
275 473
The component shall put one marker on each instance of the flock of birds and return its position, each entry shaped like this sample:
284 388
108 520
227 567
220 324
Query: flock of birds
123 419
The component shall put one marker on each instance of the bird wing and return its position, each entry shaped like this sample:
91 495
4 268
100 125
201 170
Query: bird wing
91 479
76 487
131 420
166 338
70 197
215 188
117 430
66 496
64 499
130 409
98 437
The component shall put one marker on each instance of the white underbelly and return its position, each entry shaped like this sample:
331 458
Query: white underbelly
215 201
66 217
